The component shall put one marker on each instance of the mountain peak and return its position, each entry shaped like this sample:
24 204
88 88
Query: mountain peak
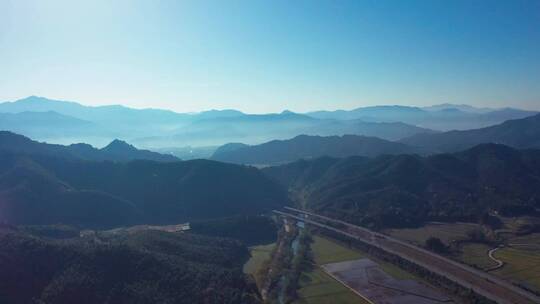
118 145
32 99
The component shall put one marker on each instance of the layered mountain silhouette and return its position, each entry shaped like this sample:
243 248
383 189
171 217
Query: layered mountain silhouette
518 133
158 129
443 117
253 129
309 147
408 190
117 150
80 185
69 122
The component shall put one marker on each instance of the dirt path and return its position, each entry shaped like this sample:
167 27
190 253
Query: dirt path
492 257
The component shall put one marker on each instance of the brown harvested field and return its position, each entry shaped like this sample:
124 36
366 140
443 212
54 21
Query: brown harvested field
368 279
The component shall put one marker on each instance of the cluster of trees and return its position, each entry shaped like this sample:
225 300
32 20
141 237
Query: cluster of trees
278 277
250 229
436 245
44 190
269 276
142 267
301 261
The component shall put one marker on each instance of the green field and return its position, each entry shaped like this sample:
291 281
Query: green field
521 259
446 232
318 288
526 242
326 251
521 266
476 254
259 254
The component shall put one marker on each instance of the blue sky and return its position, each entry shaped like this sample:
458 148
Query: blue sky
266 56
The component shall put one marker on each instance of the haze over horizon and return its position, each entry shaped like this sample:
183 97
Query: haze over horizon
449 105
269 151
260 57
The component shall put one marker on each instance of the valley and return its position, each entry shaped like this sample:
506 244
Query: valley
269 152
485 285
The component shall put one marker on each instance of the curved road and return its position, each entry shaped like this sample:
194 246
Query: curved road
492 257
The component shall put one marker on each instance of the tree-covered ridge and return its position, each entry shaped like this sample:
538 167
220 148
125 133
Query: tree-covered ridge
117 150
407 190
145 267
250 229
309 147
37 189
518 133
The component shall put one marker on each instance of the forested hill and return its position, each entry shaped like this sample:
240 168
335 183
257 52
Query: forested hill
143 267
308 147
39 189
518 133
407 190
117 150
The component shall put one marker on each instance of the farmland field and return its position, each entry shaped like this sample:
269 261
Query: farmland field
258 255
327 251
475 254
521 266
370 280
316 287
319 288
447 232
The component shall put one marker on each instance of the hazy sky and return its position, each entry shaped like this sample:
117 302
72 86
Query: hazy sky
261 56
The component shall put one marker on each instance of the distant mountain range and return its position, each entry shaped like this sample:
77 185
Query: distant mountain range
461 107
69 122
309 147
518 133
117 150
408 190
442 118
253 129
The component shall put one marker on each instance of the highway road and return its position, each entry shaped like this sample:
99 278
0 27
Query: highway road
482 283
